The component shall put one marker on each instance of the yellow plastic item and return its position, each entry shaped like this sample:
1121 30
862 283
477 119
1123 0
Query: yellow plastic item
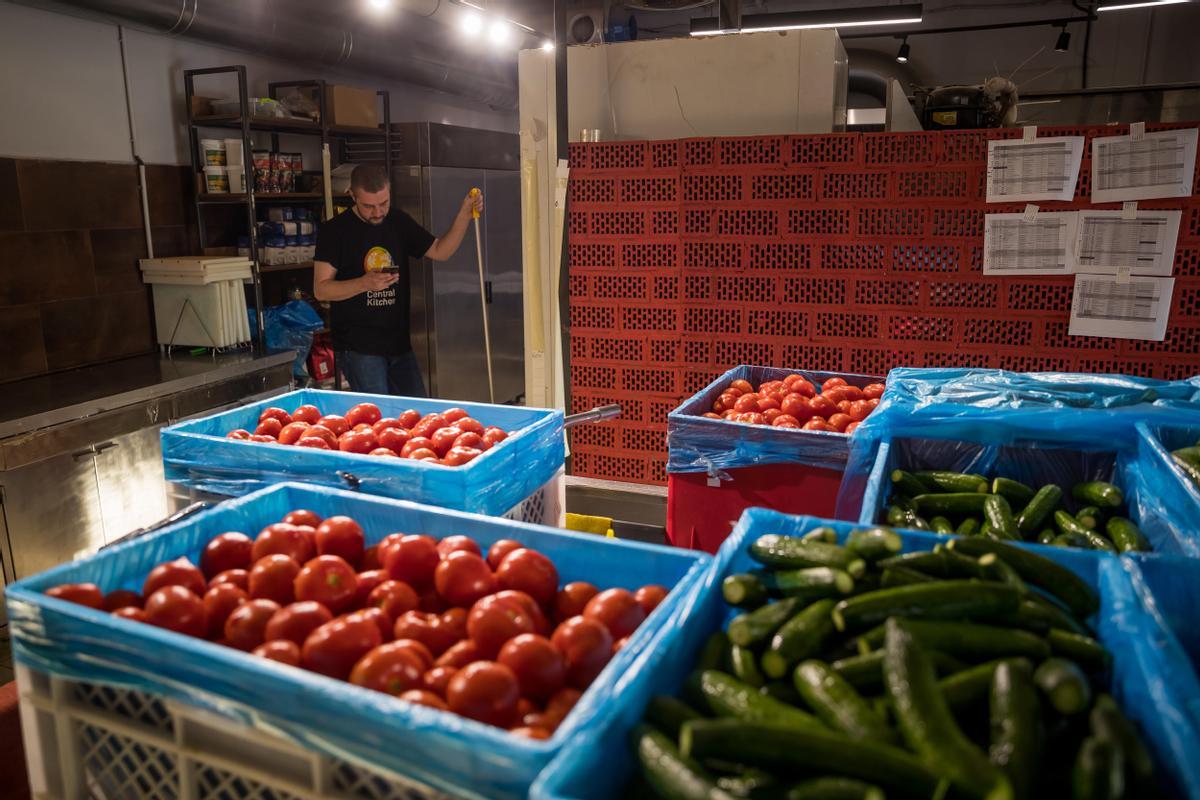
587 524
475 212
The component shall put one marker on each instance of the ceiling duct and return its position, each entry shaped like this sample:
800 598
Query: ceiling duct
420 49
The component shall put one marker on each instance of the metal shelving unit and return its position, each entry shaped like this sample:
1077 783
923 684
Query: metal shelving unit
332 136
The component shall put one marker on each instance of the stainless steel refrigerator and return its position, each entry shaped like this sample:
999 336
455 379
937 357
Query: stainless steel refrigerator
434 166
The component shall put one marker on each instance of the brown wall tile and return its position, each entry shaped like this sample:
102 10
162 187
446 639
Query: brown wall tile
78 195
37 267
169 191
10 197
96 329
175 240
116 254
21 332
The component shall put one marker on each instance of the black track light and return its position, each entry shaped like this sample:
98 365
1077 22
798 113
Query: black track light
1064 41
902 55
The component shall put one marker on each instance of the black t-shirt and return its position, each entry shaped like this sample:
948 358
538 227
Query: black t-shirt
372 322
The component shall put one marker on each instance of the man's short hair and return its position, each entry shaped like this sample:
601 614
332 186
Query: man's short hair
369 178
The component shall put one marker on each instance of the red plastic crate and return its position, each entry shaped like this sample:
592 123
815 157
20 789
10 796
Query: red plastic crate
819 221
825 150
964 294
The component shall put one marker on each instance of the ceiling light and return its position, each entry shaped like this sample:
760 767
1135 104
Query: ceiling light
1064 41
499 32
1141 4
803 20
380 5
548 46
472 23
902 55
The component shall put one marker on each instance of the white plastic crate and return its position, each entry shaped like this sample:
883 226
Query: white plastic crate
94 740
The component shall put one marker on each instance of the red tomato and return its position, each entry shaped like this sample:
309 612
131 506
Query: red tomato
328 580
394 438
414 444
263 438
296 621
84 594
539 666
469 439
409 418
362 426
427 629
367 581
462 578
226 551
272 578
493 436
618 610
531 572
711 415
335 423
377 617
411 559
437 679
835 394
428 424
443 439
530 732
388 669
766 403
340 536
852 393
238 577
772 414
393 598
649 597
122 598
746 403
306 413
334 648
361 442
275 413
282 651
485 691
315 442
494 620
302 516
560 705
796 405
419 650
851 427
742 386
731 415
457 456
176 609
453 415
367 413
470 425
320 432
460 654
822 407
817 424
425 455
292 433
370 559
874 401
179 572
431 602
540 623
572 599
499 549
269 427
387 423
246 627
785 421
753 418
219 603
859 410
587 646
766 387
283 538
240 434
424 698
452 544
803 388
840 421
873 391
133 613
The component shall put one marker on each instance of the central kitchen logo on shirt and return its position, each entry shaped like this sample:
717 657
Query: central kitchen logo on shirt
377 259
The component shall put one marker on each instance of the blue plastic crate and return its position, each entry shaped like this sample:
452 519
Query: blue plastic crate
439 749
600 767
1159 473
701 444
197 454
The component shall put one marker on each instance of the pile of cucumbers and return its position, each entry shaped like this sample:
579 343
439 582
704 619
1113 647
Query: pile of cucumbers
1188 460
966 504
856 671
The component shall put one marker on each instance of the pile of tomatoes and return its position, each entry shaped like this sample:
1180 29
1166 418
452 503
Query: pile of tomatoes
450 437
490 637
795 403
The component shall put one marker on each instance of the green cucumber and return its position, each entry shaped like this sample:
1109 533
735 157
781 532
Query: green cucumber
1015 718
954 505
953 599
1099 771
903 576
779 748
668 714
953 482
942 525
745 666
1189 454
1189 469
749 782
874 544
1038 509
1037 570
1072 540
931 562
744 591
1070 526
823 534
1098 493
1109 723
1047 536
838 705
1054 614
783 691
729 697
1064 685
1127 537
799 638
865 672
926 723
959 565
790 552
896 516
1016 493
761 623
969 687
671 775
831 788
968 527
810 583
1079 648
714 652
967 640
907 484
994 569
911 520
998 513
1090 517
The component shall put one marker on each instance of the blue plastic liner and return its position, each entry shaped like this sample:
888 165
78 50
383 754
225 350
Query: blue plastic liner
701 444
599 767
197 454
1158 472
452 753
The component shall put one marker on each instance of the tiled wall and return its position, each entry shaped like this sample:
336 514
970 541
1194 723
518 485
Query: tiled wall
70 237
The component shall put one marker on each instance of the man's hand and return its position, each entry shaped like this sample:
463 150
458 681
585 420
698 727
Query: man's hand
471 204
378 281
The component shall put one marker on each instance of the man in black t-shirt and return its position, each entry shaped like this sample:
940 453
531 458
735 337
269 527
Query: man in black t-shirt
361 269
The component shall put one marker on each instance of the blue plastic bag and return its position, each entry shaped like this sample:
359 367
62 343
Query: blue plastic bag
600 767
289 327
1158 472
452 753
701 444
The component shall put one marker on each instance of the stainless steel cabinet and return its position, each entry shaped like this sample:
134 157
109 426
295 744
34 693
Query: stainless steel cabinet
129 474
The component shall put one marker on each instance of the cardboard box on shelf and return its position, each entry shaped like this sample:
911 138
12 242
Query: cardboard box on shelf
349 105
201 106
